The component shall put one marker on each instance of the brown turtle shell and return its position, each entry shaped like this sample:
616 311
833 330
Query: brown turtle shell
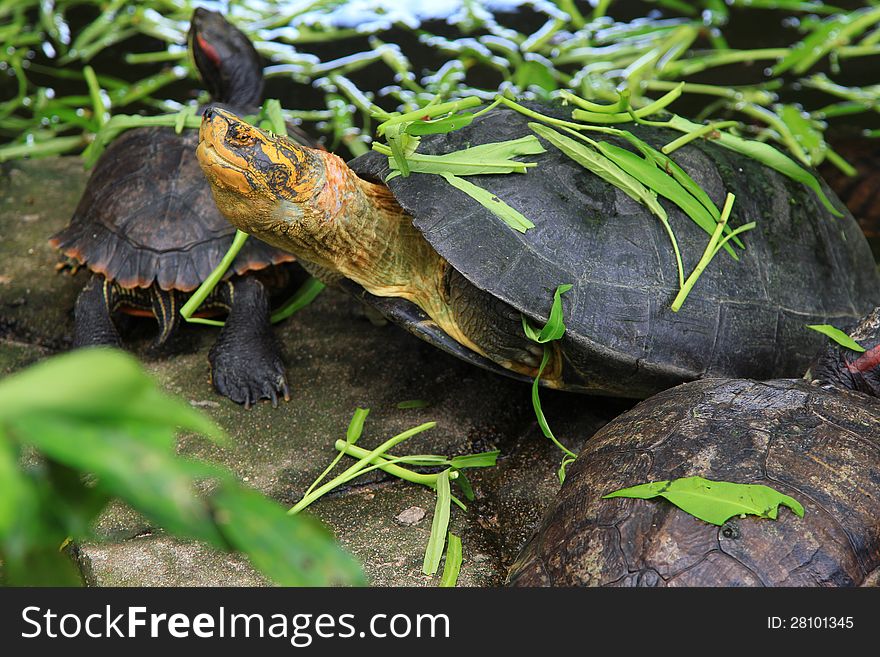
820 445
147 216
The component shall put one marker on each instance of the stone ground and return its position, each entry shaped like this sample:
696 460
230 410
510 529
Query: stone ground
337 361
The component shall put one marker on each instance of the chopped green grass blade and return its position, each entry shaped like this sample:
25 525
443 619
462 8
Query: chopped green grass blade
555 326
764 153
352 435
452 567
536 404
610 171
487 199
838 336
484 159
716 243
481 460
439 525
398 141
465 485
272 110
667 185
602 167
441 126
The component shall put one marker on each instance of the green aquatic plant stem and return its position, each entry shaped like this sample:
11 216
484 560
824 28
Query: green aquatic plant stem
387 464
716 243
199 296
98 108
687 138
624 117
452 567
306 293
430 112
364 462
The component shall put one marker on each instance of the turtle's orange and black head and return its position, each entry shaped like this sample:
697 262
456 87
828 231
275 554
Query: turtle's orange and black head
227 60
261 181
304 200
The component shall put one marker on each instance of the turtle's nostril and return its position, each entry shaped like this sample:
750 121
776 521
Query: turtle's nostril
208 113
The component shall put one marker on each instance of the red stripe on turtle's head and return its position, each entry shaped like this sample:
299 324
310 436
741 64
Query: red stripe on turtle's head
209 50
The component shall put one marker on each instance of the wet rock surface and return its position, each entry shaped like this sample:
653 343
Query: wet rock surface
336 361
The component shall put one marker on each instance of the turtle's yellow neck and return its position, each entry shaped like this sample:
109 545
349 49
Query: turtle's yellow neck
358 230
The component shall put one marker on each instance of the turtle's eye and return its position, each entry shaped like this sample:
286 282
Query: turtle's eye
237 137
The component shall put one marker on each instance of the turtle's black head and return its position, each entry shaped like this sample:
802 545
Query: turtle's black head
227 60
851 369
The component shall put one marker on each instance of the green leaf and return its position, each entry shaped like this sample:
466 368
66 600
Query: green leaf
554 329
838 336
439 525
532 73
603 167
441 126
465 485
59 385
402 146
290 550
624 117
764 153
670 167
134 462
452 567
803 131
352 435
44 565
14 488
356 425
488 200
536 405
714 501
492 158
666 185
566 461
272 110
481 460
72 503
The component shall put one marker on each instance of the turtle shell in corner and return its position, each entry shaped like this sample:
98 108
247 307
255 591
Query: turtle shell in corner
820 445
801 265
147 216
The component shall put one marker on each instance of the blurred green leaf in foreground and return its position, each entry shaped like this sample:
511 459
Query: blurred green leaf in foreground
80 429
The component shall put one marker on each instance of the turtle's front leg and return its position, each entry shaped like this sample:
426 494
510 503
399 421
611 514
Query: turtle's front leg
93 322
246 364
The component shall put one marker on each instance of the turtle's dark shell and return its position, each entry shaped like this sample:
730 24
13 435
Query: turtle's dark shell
743 319
147 216
819 445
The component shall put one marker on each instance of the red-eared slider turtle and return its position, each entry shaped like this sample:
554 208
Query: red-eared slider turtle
148 228
817 441
448 269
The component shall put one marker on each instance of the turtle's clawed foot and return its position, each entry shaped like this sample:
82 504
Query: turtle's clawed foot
246 364
248 375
